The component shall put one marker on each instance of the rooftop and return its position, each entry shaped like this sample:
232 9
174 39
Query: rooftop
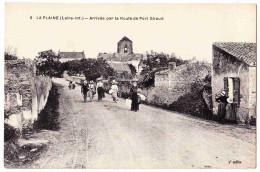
120 67
243 51
72 55
125 39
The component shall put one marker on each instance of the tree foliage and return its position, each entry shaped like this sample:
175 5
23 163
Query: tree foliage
48 64
90 68
10 53
155 63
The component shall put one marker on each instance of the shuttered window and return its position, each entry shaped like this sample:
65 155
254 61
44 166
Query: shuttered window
236 92
226 85
236 89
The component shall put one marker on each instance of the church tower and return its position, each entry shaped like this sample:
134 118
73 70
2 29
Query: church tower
125 46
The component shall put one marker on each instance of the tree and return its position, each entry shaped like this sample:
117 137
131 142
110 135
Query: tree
48 64
91 68
10 53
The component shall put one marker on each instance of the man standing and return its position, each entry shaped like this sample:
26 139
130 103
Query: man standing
84 90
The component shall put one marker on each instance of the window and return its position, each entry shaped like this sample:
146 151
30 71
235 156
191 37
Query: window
125 49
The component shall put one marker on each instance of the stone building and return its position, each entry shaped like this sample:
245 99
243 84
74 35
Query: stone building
234 69
125 46
124 55
68 56
179 78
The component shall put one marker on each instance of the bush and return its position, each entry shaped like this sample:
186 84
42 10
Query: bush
192 103
10 133
189 101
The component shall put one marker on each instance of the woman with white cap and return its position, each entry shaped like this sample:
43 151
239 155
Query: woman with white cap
114 89
221 98
91 90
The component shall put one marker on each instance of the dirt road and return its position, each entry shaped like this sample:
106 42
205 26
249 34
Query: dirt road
107 135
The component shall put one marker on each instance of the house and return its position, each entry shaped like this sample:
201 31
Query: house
179 78
68 56
124 55
122 69
234 70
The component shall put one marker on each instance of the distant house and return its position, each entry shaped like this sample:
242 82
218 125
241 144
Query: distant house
234 70
179 78
124 55
68 56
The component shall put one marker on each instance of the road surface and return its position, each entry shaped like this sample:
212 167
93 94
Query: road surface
108 135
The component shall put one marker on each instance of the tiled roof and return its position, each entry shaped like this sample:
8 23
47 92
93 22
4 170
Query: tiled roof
125 39
245 52
120 67
137 56
73 55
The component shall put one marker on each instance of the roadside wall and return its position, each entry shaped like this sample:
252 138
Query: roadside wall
25 93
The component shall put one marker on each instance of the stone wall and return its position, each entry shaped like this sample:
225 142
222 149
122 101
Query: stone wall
25 93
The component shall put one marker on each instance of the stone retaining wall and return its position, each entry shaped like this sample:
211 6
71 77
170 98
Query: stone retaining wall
25 93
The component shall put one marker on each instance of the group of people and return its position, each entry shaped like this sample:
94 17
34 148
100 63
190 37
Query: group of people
133 95
226 108
72 85
88 90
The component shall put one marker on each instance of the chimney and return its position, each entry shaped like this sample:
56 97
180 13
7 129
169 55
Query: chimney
172 66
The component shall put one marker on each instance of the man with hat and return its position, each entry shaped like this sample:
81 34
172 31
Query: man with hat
84 90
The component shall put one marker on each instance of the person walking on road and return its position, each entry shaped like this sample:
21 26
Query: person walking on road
84 90
73 85
134 97
114 90
91 90
100 89
70 85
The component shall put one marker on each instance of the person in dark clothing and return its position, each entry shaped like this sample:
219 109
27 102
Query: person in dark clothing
100 90
221 98
70 85
134 97
84 90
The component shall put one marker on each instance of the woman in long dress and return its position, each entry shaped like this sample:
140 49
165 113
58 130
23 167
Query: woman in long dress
222 100
134 97
100 90
114 89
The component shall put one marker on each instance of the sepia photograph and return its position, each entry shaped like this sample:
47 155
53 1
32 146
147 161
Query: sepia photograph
130 86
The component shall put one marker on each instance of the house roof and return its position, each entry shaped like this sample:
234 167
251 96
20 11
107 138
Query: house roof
120 67
72 55
137 56
125 39
245 52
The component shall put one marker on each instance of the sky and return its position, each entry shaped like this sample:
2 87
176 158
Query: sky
187 30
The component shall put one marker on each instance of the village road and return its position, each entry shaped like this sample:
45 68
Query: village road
107 135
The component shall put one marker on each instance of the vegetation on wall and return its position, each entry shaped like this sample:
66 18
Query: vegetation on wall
154 63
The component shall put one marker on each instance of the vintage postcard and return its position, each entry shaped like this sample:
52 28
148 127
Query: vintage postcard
130 86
